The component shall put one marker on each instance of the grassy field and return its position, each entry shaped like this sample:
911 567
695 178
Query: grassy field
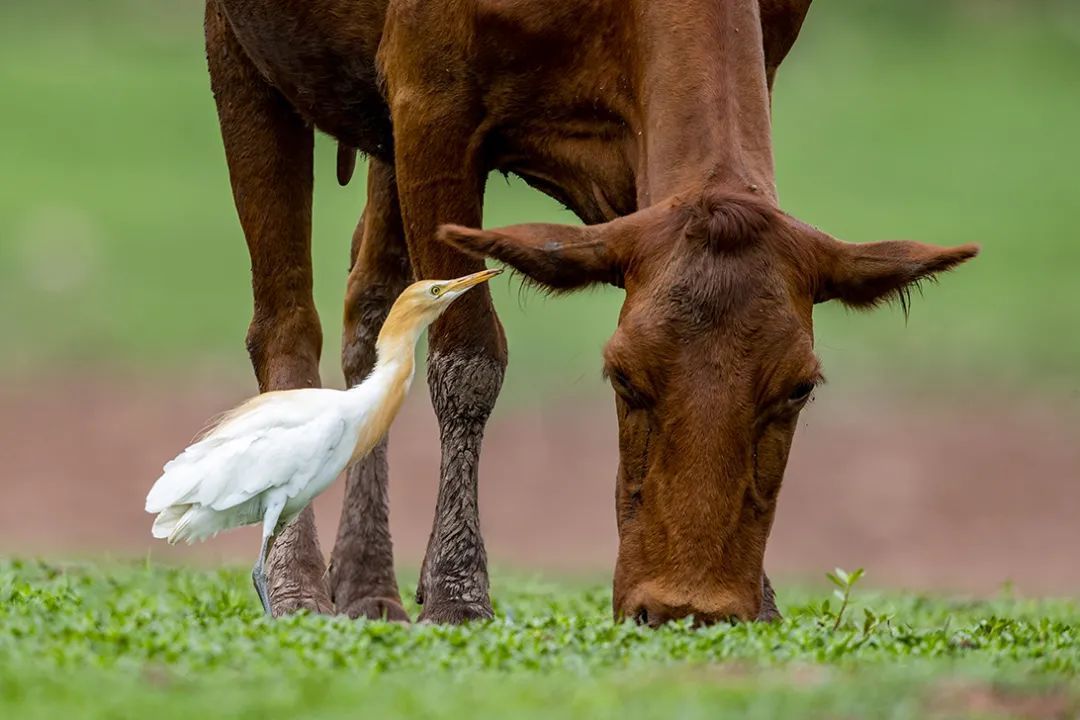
119 641
119 246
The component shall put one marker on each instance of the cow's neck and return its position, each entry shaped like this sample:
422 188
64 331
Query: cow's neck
704 98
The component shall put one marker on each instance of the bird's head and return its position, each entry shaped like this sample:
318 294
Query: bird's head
423 302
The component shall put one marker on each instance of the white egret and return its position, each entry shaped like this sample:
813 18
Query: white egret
266 459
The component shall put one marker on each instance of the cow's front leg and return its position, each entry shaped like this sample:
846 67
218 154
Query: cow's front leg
465 371
362 576
439 181
269 152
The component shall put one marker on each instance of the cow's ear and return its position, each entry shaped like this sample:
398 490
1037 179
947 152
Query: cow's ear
560 258
862 275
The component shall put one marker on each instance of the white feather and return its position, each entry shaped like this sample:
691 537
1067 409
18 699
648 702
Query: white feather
296 442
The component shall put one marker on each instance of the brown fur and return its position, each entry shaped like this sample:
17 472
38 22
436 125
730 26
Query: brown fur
655 112
711 363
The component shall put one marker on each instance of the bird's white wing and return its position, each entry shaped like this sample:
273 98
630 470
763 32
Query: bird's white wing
289 458
284 408
280 443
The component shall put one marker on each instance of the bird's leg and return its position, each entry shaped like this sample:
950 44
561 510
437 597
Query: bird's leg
440 179
362 579
269 152
258 575
271 517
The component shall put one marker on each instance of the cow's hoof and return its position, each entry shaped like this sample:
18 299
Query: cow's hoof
455 612
289 603
376 608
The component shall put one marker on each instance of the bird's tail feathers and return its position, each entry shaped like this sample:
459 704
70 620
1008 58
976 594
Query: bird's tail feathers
176 482
188 523
169 520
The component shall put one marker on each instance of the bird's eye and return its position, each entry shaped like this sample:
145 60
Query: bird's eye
801 392
435 290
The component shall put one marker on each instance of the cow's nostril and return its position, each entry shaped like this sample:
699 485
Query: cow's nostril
642 616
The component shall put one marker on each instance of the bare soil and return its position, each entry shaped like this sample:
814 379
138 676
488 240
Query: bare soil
955 700
925 495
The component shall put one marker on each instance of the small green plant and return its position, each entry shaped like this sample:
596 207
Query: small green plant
845 582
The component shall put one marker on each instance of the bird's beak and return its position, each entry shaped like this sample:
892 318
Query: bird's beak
462 284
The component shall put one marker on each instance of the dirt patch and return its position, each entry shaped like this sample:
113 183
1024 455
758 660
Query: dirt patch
924 495
990 701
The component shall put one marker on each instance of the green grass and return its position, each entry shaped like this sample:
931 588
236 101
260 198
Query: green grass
119 244
120 640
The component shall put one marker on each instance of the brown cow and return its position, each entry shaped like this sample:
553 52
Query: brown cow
648 118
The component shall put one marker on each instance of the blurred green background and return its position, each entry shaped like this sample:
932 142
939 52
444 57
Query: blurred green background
947 122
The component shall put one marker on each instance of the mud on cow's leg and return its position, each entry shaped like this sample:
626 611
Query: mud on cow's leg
269 153
454 582
362 579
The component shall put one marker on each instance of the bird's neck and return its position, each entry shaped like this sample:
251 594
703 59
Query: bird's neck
395 348
395 361
381 394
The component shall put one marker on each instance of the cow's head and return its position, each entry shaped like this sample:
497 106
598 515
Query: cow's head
712 361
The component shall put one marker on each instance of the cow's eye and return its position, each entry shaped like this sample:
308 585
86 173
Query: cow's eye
625 388
801 392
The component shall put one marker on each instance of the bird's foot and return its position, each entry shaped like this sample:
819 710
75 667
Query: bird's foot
258 579
455 612
376 608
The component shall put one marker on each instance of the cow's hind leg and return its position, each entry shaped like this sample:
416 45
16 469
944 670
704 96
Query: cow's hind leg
362 578
269 152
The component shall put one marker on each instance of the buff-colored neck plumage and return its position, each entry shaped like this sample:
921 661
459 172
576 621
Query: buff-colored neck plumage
383 391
